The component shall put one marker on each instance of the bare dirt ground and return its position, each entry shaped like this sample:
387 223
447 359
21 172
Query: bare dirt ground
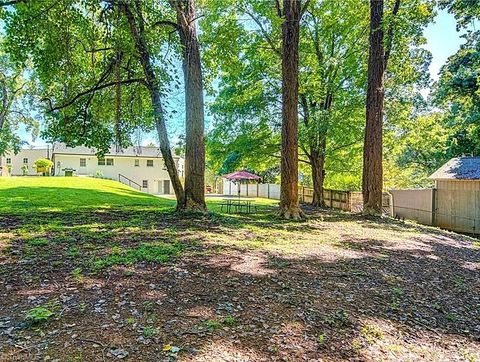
140 285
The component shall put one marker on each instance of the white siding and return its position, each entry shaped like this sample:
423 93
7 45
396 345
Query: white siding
271 191
17 160
124 165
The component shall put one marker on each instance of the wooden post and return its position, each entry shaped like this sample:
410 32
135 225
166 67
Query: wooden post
268 190
434 205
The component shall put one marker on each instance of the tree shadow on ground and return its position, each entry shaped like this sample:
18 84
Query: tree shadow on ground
362 297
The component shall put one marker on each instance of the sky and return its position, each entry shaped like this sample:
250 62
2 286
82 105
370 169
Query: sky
442 41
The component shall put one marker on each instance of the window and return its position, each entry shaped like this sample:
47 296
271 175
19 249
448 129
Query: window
101 162
9 161
145 184
149 163
83 162
109 161
25 160
137 163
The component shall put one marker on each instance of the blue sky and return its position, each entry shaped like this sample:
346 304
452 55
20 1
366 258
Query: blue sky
442 41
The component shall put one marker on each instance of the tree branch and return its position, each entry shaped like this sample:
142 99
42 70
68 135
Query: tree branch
388 45
304 8
92 90
173 24
264 32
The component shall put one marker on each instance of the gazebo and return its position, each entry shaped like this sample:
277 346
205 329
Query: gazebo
238 176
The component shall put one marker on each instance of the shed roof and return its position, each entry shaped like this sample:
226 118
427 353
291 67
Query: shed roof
459 168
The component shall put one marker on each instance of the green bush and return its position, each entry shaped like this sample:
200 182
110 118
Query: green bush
43 165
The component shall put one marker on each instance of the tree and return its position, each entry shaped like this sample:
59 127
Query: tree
458 89
289 207
91 58
372 184
17 97
137 32
331 84
194 106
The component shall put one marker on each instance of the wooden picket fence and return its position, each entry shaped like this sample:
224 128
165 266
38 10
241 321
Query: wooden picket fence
340 199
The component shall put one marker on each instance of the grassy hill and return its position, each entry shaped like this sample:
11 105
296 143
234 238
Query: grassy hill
28 194
91 269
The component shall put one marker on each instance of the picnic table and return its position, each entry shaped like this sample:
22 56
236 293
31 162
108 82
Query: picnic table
239 206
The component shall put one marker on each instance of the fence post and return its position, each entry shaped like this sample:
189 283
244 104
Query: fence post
268 190
434 206
257 189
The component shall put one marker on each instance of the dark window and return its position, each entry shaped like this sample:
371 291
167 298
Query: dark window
137 163
9 161
83 162
145 184
109 161
149 163
101 162
25 160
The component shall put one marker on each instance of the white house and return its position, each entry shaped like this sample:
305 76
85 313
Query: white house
140 167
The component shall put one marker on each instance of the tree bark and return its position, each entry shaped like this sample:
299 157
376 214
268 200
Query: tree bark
372 182
289 207
317 164
137 32
4 102
194 107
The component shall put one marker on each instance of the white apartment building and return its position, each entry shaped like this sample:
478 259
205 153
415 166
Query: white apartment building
139 167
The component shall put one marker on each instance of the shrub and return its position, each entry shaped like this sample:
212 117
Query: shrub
43 165
25 170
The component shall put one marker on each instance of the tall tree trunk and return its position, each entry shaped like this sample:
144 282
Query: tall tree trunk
194 107
317 164
137 32
372 182
4 102
289 208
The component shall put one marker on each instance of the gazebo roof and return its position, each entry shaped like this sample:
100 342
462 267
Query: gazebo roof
241 175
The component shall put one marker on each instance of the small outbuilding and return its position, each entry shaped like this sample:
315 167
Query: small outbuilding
457 199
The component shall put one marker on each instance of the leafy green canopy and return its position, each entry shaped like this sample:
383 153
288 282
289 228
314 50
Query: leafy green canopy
244 78
458 89
18 91
84 57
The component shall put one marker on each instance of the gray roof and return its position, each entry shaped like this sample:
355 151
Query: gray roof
460 168
136 151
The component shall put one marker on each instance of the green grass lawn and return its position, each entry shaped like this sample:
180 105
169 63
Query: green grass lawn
29 194
90 266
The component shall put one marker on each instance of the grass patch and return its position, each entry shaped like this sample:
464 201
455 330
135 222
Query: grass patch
38 242
157 252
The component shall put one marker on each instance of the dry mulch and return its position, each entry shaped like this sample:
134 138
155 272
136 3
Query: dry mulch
336 287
